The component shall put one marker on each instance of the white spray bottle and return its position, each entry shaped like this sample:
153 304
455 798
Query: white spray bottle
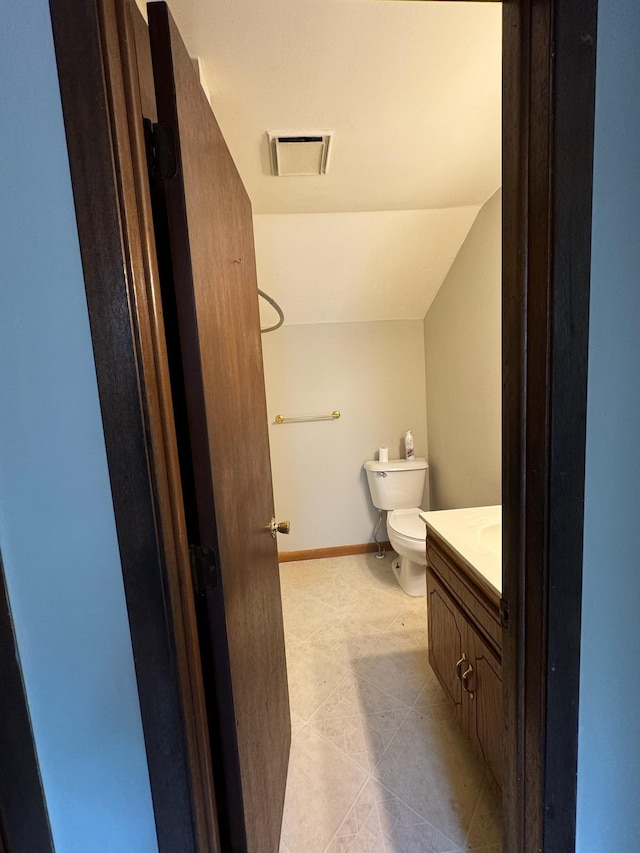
408 445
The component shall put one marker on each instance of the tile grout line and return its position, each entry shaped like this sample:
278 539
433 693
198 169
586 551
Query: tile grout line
355 799
474 813
406 709
349 664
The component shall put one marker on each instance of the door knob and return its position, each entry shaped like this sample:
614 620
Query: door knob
280 527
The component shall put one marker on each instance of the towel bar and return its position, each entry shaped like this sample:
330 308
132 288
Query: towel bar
280 419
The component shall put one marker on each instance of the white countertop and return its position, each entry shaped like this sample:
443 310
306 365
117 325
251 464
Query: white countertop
475 533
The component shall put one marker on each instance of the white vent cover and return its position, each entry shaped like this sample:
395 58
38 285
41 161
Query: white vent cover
299 153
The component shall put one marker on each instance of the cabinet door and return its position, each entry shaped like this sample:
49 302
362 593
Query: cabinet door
446 641
485 702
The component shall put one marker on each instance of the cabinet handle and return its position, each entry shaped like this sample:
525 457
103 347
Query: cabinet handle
465 678
459 665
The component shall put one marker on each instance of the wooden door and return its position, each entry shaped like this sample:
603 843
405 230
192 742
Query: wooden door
210 287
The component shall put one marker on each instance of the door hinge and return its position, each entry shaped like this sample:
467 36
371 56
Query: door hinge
203 568
161 150
504 614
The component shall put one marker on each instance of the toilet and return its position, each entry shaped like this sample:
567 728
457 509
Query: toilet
398 487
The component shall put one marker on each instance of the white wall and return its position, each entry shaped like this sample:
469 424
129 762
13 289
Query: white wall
462 332
373 373
360 266
57 531
609 721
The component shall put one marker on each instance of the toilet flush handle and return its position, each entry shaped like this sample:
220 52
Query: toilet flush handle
381 473
280 527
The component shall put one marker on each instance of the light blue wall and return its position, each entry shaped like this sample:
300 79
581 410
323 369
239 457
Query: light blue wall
57 532
609 734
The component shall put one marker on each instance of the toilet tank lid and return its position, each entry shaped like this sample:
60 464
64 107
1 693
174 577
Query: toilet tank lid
417 464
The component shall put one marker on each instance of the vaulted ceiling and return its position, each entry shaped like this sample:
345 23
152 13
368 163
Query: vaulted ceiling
412 91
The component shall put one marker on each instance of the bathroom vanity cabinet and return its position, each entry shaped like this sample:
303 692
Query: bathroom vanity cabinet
465 646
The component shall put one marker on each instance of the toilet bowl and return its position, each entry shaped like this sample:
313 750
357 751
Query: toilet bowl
407 534
397 486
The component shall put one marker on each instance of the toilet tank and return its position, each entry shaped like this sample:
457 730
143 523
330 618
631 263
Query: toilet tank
398 483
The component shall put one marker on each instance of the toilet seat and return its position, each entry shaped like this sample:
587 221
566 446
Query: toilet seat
407 523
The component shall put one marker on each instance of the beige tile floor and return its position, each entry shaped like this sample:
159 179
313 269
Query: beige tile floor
378 764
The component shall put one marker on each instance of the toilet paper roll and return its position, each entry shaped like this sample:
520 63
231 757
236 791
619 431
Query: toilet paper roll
383 454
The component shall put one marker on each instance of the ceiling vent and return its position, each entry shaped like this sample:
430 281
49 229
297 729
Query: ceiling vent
299 153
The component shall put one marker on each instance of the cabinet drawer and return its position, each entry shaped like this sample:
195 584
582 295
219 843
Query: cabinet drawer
481 611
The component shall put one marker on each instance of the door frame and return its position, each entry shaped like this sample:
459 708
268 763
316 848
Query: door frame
549 83
549 53
97 59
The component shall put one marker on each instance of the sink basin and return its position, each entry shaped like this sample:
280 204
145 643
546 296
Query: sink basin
475 534
491 538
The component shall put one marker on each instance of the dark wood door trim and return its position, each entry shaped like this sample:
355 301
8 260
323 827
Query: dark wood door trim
549 97
94 43
24 822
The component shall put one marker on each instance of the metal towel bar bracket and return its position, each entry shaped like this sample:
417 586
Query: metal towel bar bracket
280 419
